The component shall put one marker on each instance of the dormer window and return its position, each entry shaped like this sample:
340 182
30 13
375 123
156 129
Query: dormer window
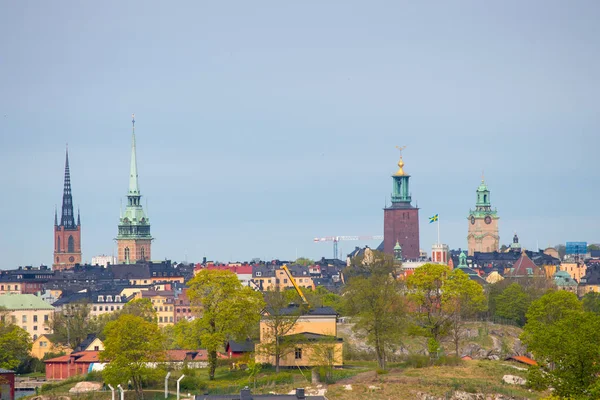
100 299
258 273
118 299
109 298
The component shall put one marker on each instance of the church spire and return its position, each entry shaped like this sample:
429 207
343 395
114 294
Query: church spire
133 175
67 218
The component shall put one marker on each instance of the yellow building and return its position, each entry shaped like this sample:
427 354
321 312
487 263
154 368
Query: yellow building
314 338
163 302
576 270
277 279
8 287
29 312
46 343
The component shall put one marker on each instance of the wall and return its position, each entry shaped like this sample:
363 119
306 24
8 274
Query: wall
402 225
33 321
311 354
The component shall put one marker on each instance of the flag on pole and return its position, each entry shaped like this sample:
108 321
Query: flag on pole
433 218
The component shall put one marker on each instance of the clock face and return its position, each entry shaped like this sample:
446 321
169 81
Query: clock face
71 259
488 220
472 220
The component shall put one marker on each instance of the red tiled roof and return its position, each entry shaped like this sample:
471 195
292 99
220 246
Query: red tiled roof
521 266
79 357
523 359
190 355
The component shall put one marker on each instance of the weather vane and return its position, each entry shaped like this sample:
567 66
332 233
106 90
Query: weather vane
400 148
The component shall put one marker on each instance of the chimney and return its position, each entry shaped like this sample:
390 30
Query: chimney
300 393
245 394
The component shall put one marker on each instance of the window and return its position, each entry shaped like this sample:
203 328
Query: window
126 254
112 308
96 348
46 318
118 299
298 353
58 247
71 245
101 298
2 287
35 336
14 319
170 319
159 319
43 344
143 253
258 273
100 308
35 318
160 309
94 308
35 327
109 298
24 319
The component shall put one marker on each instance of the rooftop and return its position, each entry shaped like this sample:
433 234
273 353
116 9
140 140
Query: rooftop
23 302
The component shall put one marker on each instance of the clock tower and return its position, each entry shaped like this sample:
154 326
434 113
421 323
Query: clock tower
134 241
483 224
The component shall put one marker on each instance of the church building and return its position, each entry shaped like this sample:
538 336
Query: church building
133 240
67 235
401 219
483 234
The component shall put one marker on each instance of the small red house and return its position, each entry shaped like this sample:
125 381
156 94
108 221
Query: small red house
7 384
64 367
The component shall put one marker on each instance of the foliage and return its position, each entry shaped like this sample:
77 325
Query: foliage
15 344
375 300
512 303
323 354
29 365
566 341
304 261
227 310
140 308
253 370
444 300
73 324
131 343
279 319
562 250
183 335
591 302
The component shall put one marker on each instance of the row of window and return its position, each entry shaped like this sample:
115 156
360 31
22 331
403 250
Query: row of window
259 273
165 319
8 287
24 318
105 308
109 298
183 310
161 309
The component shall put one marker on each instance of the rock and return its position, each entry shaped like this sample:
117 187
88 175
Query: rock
514 380
494 357
519 348
82 387
371 387
347 387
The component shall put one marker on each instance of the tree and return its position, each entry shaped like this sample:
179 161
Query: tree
15 343
323 354
463 299
73 324
131 348
512 304
186 334
226 310
375 301
566 342
140 308
562 250
591 302
304 261
279 319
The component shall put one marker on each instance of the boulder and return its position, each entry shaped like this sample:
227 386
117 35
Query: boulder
514 380
82 387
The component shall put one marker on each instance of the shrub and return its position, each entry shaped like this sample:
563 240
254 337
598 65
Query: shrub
381 371
448 360
417 361
94 376
193 383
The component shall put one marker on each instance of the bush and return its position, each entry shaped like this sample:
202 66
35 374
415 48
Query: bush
381 371
193 383
448 360
94 376
417 361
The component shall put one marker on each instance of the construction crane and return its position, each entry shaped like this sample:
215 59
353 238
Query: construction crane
289 274
336 239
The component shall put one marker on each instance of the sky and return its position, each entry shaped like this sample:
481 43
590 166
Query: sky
263 124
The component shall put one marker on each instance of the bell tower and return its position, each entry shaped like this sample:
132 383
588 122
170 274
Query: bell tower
67 235
134 241
483 223
401 219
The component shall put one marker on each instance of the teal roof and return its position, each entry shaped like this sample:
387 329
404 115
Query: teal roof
23 302
562 278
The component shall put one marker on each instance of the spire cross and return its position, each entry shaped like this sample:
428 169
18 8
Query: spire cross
400 148
482 176
133 120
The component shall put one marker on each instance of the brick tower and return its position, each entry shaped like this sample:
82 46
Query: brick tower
401 219
67 235
134 241
483 233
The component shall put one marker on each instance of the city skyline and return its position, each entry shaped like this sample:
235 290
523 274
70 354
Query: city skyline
256 134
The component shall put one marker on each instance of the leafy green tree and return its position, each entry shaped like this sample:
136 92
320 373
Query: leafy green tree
561 249
591 302
132 342
279 319
140 308
463 299
15 343
304 261
72 325
186 334
512 303
566 342
226 310
375 300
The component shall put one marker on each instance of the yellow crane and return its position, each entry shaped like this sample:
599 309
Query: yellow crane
289 274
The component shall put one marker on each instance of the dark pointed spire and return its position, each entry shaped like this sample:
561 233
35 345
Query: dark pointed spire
67 218
78 217
55 216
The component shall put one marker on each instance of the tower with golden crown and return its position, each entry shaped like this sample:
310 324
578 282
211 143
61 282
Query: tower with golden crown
401 219
483 233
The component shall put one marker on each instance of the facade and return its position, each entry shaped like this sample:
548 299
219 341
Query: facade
266 278
576 270
163 303
440 253
7 384
29 312
401 219
67 235
133 240
483 234
104 260
74 364
314 329
47 344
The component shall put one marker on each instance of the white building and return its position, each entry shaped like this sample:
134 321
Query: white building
104 260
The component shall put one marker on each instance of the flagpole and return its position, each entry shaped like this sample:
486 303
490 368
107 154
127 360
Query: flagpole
438 226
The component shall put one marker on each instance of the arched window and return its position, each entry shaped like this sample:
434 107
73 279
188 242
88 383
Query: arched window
485 198
71 245
143 253
58 245
126 254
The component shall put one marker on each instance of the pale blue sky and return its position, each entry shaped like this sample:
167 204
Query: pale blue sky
263 124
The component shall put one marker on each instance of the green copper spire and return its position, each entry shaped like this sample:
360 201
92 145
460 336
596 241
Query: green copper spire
133 175
400 190
462 260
